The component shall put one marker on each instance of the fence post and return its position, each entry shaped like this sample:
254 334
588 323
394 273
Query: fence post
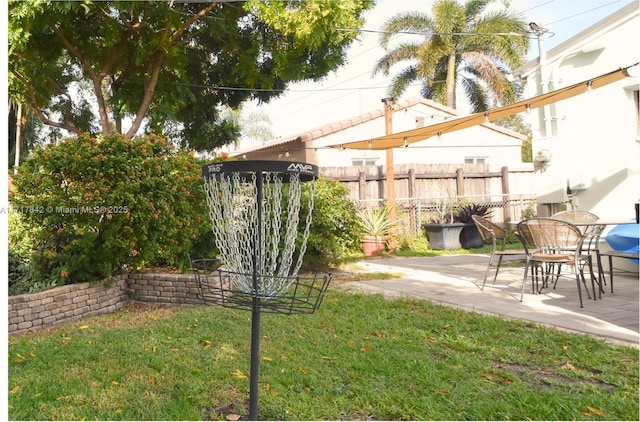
413 222
505 192
459 182
362 185
381 179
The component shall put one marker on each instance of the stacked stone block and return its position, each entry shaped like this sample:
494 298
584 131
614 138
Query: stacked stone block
76 301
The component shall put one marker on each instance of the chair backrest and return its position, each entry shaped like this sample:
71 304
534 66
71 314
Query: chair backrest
550 233
524 234
580 216
575 215
488 229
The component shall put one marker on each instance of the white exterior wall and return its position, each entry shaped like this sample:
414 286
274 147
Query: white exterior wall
596 143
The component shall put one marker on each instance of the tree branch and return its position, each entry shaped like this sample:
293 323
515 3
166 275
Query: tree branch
96 79
178 32
33 103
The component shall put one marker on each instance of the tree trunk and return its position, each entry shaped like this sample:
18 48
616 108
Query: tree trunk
18 135
451 81
150 83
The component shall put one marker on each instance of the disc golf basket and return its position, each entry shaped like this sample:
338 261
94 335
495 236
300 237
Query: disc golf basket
254 207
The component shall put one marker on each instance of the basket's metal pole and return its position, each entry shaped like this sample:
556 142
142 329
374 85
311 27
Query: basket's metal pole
254 376
255 360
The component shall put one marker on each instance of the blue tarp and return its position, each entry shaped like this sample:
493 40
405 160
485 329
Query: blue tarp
625 237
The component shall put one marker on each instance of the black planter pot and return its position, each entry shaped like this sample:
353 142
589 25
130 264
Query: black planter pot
470 237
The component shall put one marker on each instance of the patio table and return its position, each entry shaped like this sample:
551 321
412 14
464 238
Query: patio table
598 226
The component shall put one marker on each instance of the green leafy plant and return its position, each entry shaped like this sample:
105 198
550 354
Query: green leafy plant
465 212
529 212
19 249
96 206
334 232
376 222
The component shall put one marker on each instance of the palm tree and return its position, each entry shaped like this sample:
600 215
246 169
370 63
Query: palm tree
24 130
254 125
460 44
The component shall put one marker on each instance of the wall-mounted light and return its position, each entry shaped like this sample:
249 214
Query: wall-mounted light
541 159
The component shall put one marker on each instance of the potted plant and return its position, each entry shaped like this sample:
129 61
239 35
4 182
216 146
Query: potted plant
376 226
469 235
443 231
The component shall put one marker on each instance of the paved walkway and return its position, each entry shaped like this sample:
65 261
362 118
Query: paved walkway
456 279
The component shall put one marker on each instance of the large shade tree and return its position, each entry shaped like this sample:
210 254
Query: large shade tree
96 66
458 44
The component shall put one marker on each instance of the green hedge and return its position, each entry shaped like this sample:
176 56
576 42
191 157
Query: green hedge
335 227
100 205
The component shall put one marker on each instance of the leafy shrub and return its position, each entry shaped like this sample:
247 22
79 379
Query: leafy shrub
465 212
20 238
335 228
100 205
529 212
19 248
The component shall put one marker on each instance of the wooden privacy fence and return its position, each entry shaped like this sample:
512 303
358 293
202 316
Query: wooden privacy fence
421 189
431 180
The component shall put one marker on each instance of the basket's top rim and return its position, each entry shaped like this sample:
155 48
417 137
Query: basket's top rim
305 170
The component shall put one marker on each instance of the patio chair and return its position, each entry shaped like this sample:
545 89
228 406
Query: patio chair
591 234
491 232
557 242
537 270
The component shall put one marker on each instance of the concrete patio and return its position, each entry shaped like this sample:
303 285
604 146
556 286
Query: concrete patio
456 279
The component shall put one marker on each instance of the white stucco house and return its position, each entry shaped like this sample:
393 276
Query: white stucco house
588 146
487 143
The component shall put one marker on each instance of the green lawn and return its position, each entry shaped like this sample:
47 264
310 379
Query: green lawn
357 357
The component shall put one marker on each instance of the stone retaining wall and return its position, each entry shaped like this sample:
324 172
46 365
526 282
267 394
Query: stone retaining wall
163 289
76 301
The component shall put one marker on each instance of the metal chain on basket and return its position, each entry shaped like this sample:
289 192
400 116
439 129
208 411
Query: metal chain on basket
307 228
233 209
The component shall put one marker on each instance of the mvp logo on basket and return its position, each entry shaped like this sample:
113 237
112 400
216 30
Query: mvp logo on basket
300 168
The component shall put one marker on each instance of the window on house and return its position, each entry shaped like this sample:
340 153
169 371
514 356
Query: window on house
553 115
364 161
636 100
475 160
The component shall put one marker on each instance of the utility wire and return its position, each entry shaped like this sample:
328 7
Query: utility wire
583 13
329 88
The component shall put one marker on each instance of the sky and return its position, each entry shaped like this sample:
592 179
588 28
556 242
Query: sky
351 90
